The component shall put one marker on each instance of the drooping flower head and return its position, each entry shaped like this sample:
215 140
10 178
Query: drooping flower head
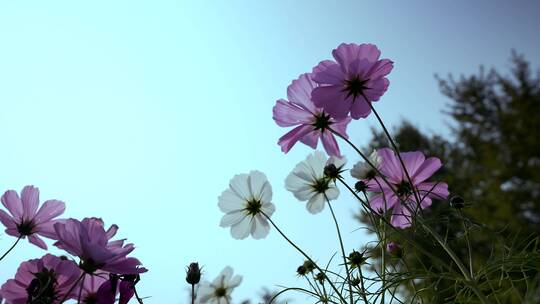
410 197
308 182
88 240
243 203
311 123
350 84
45 280
25 220
219 291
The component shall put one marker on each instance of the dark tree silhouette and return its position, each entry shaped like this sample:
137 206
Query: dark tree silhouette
493 162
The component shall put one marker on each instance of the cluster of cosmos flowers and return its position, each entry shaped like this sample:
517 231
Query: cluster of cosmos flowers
319 106
95 269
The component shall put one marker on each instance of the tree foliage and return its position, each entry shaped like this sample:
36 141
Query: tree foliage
493 162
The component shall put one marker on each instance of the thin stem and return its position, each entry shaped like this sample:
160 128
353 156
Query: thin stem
72 287
394 146
466 232
137 296
458 262
342 248
362 286
412 280
383 260
366 159
80 290
192 293
304 254
11 248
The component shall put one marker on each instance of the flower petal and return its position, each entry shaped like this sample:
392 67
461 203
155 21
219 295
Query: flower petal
259 186
49 210
287 141
316 203
10 200
30 201
241 229
299 92
287 114
259 227
232 218
34 239
426 170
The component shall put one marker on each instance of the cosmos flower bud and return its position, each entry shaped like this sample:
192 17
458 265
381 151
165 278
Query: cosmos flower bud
309 265
355 281
193 274
301 270
394 249
360 186
356 259
331 171
457 202
320 277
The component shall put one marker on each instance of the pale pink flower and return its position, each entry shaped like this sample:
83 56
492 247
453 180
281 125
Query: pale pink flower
25 219
88 240
410 197
310 123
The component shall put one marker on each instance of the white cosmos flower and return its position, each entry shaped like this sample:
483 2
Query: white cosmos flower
219 291
308 183
362 170
248 195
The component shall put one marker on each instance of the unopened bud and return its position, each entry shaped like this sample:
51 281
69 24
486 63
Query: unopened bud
193 274
360 186
331 171
394 249
457 202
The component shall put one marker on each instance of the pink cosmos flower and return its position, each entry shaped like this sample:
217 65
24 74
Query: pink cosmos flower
406 202
311 122
24 219
91 243
348 85
45 280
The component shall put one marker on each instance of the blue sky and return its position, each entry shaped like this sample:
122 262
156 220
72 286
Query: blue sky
140 112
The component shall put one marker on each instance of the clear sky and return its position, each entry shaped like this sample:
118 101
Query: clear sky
140 112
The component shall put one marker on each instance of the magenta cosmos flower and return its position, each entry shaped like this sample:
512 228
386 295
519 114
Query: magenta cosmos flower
351 83
88 240
406 202
45 280
311 123
24 219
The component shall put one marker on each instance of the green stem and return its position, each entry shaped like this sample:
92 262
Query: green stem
454 257
11 248
466 232
304 254
342 249
394 146
412 280
383 260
